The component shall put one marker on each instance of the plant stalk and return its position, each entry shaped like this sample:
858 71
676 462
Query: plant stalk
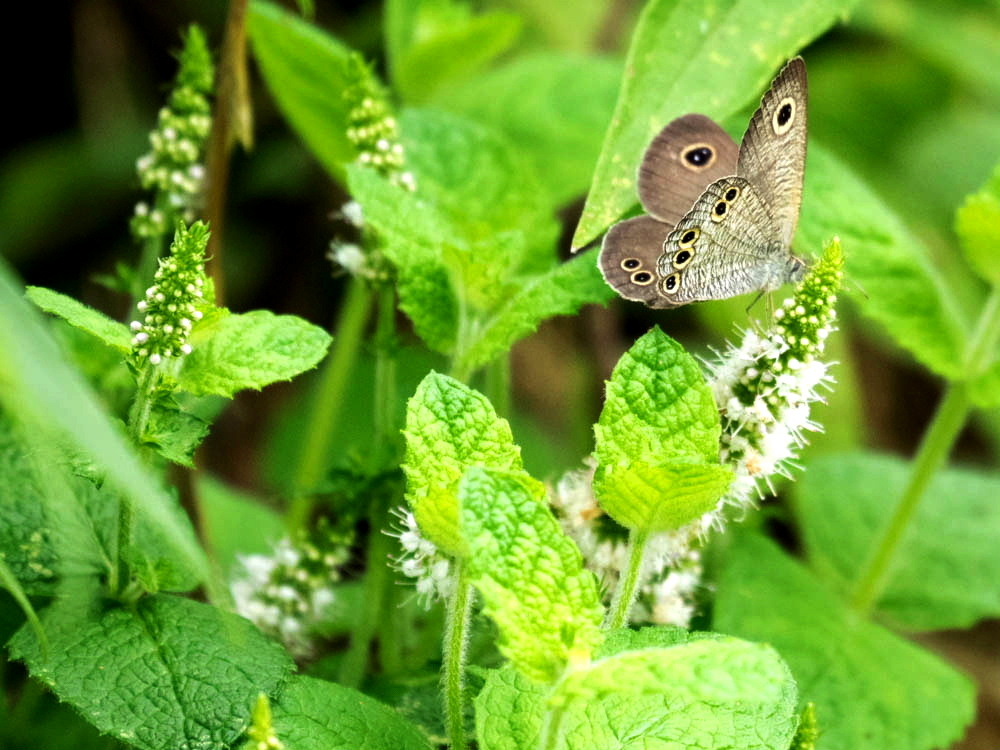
328 400
628 584
935 447
456 640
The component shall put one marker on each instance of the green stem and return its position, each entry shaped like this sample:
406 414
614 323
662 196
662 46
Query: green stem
152 248
377 579
455 642
330 394
628 583
377 571
935 447
498 384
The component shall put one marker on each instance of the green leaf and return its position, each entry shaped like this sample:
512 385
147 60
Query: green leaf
307 71
170 673
658 408
554 107
448 45
902 290
510 711
707 693
978 226
529 573
560 291
175 433
79 315
234 523
871 688
689 57
50 397
844 501
661 496
984 390
450 428
313 714
234 352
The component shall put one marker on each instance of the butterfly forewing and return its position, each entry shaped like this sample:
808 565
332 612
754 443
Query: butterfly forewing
773 153
684 158
725 246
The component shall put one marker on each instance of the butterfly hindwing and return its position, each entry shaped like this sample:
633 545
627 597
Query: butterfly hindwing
725 246
629 255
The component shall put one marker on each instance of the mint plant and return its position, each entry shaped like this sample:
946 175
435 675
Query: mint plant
430 566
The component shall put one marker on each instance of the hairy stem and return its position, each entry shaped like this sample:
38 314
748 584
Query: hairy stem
330 394
456 640
498 384
935 447
628 583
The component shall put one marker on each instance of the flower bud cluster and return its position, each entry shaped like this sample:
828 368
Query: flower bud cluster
176 299
173 167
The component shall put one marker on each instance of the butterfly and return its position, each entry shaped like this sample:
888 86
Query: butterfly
721 217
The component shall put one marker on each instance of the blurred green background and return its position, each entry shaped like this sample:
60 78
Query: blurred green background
907 92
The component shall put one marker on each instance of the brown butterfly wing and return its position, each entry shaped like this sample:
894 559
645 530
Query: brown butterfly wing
628 259
684 158
773 153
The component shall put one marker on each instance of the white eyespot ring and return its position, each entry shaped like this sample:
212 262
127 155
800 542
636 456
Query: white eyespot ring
681 258
642 278
784 116
631 264
720 210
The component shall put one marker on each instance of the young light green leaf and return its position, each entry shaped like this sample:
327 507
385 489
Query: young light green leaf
871 688
313 714
449 46
555 107
141 674
978 225
902 291
450 428
661 496
984 390
510 710
706 693
175 433
845 500
657 444
307 71
42 391
111 332
529 573
560 291
235 352
689 57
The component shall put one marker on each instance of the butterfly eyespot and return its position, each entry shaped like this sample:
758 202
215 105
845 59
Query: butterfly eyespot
682 258
719 212
732 194
671 284
698 156
784 116
642 278
689 237
630 264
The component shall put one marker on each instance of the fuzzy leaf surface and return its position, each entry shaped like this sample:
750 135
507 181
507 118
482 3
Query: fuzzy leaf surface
79 315
902 290
171 674
234 352
175 433
313 714
306 71
845 500
693 57
871 688
529 573
450 428
659 414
